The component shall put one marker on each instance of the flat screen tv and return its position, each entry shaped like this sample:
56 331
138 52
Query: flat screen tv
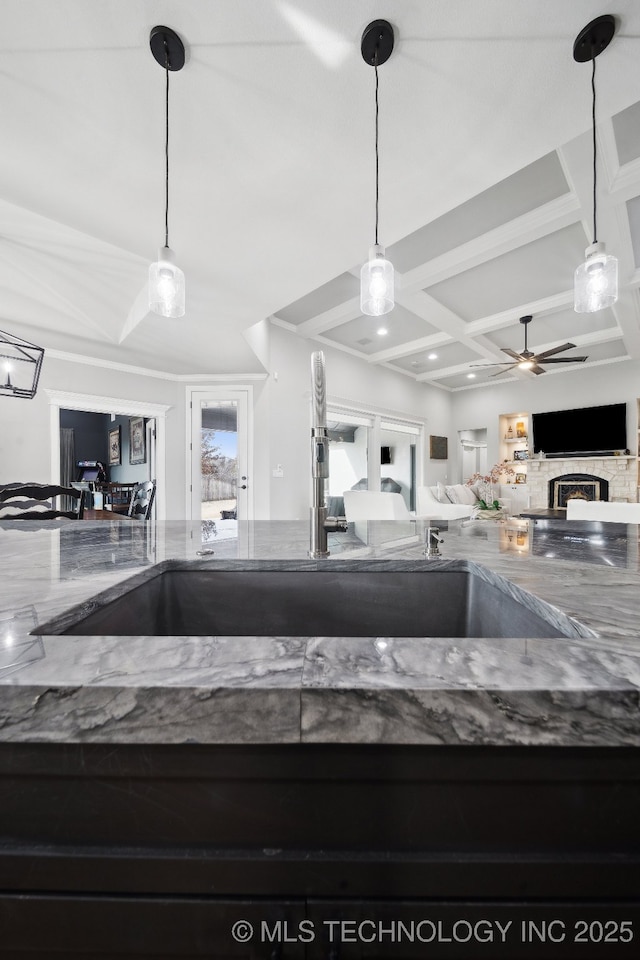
587 430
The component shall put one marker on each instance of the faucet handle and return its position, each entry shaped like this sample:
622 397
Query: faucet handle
432 540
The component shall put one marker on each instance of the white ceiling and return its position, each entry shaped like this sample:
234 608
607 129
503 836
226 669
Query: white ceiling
484 178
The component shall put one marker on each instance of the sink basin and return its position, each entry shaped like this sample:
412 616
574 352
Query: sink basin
339 598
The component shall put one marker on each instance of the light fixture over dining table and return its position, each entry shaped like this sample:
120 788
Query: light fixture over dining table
20 365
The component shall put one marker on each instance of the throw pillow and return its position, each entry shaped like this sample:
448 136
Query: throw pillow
466 495
453 494
441 493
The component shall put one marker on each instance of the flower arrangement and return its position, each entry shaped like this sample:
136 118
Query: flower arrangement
498 470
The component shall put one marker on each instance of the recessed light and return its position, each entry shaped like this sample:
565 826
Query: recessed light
433 356
470 376
382 331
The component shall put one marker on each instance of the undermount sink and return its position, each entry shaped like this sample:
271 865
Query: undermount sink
339 598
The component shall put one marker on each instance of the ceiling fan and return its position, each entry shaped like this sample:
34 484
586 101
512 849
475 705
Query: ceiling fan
528 360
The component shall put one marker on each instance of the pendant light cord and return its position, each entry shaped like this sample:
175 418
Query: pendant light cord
166 150
375 65
593 125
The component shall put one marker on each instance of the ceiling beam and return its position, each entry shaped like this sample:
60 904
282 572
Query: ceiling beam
541 222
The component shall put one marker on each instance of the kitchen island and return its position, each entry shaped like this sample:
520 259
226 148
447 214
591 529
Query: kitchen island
193 781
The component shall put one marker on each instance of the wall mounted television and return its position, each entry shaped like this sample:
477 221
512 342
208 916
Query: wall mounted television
581 432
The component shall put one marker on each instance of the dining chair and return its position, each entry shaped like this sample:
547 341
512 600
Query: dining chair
141 502
32 501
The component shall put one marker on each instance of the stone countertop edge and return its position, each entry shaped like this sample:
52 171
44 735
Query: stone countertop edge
574 691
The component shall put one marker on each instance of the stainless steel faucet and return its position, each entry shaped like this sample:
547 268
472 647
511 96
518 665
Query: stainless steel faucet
432 544
321 524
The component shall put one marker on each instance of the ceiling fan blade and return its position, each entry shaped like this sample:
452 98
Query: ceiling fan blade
563 360
512 353
491 364
510 367
537 370
550 353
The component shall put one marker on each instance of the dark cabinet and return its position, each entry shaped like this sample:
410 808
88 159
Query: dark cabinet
139 851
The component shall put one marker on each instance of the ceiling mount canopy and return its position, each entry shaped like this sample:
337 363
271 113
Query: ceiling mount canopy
594 38
376 275
377 42
596 280
167 48
528 359
166 279
20 363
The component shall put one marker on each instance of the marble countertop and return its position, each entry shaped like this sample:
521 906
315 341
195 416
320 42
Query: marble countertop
582 689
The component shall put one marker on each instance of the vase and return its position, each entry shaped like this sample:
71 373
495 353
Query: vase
489 514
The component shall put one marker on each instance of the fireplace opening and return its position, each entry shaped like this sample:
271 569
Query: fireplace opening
581 485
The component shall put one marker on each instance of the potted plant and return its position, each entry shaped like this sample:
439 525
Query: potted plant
489 506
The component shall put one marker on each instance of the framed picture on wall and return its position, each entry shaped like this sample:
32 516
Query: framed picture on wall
520 454
521 478
438 448
137 441
114 447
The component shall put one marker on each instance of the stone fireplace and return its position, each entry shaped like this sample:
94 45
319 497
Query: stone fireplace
594 478
584 486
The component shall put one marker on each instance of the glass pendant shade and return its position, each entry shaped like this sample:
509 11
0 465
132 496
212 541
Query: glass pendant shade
376 284
596 281
166 286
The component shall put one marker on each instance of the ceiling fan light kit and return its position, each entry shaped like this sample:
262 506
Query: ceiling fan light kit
596 280
376 275
166 279
528 360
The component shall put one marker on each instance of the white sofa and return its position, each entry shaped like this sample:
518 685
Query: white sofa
428 505
578 509
372 505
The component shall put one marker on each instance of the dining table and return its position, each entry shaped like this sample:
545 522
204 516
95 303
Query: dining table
104 515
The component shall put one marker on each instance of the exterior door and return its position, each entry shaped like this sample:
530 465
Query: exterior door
221 495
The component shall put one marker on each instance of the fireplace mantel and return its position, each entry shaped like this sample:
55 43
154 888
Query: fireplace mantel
557 462
619 472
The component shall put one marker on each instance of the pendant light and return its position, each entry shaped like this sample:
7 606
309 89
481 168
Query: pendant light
376 276
20 364
596 280
166 279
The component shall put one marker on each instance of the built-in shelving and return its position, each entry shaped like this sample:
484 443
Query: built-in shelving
514 437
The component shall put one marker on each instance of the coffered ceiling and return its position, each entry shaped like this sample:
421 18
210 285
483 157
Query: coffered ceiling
485 179
464 280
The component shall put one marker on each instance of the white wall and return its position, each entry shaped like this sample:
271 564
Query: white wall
586 387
